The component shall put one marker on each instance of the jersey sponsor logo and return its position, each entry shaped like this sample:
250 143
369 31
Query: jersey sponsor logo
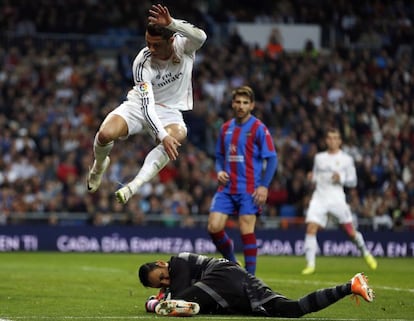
236 158
168 79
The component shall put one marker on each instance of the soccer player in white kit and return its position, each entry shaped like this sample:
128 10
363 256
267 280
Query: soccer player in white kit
162 89
332 170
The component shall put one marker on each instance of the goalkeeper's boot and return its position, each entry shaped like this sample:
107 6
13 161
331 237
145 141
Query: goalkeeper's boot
371 261
359 286
177 308
95 176
308 270
124 194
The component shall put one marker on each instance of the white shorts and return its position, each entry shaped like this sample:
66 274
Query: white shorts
131 112
320 208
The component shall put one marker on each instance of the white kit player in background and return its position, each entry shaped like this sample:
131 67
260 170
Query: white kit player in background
332 170
163 88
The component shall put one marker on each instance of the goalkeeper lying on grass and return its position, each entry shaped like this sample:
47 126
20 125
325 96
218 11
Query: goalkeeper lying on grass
198 284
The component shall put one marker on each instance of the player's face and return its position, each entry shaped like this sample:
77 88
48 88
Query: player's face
242 107
333 141
160 48
159 277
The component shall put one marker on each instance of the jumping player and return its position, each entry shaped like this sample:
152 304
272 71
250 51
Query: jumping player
162 76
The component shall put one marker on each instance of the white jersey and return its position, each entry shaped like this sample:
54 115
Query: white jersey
329 197
166 84
325 165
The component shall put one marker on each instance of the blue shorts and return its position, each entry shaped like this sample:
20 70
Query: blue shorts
234 204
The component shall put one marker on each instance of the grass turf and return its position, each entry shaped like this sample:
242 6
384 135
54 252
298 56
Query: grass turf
96 286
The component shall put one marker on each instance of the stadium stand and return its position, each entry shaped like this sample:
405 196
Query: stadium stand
63 68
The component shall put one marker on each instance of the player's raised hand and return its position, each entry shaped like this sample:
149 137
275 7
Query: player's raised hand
159 15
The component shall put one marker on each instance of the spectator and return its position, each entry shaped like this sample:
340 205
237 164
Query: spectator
376 96
274 47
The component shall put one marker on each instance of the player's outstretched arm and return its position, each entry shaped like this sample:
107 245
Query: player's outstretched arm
160 15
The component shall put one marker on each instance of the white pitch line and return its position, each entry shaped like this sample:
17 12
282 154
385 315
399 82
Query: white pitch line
326 283
207 317
103 269
394 289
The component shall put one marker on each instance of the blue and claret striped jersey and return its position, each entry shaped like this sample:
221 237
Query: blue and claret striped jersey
241 151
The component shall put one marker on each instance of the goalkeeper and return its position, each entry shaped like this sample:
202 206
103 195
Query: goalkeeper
199 284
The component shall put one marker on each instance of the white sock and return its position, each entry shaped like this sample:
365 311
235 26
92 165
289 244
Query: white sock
360 243
101 151
311 247
154 162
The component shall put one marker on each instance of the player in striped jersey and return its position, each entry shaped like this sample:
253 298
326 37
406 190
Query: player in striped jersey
243 149
162 89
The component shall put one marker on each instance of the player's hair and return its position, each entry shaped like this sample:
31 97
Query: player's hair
143 272
332 129
158 31
243 91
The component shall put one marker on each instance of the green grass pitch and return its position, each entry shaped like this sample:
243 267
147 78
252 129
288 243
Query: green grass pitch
96 286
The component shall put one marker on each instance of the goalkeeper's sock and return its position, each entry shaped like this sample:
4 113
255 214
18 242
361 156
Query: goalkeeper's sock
323 298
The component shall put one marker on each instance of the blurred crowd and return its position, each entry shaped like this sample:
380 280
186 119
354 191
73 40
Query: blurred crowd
54 95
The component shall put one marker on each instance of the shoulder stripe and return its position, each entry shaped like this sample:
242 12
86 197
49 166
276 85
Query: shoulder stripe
140 66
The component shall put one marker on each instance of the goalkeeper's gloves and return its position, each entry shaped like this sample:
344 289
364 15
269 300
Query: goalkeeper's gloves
153 300
151 303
